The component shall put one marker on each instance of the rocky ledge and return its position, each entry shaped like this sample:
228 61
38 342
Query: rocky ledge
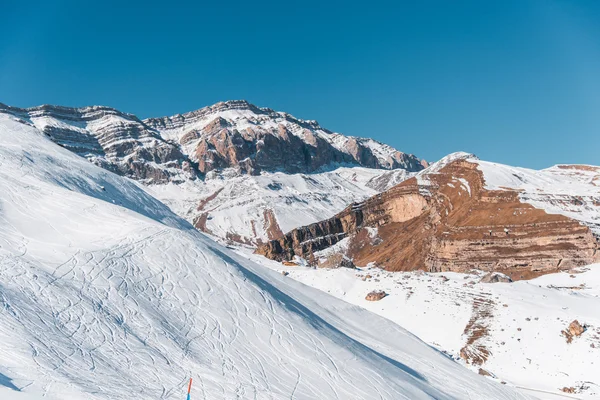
446 221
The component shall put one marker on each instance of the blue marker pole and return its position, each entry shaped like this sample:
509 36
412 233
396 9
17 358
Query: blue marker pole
189 390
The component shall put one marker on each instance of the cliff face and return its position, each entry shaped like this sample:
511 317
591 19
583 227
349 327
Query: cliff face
446 220
250 139
116 141
232 136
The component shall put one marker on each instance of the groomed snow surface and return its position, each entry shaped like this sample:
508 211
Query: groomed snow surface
106 294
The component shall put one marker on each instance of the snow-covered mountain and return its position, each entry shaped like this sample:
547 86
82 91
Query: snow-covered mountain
255 209
237 134
107 294
234 170
462 213
232 137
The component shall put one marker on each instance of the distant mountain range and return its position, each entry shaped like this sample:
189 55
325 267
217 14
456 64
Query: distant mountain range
236 171
233 136
248 175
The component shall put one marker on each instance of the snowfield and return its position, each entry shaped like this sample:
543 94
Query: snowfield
523 320
106 294
237 204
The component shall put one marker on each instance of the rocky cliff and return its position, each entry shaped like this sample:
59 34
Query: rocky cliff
250 139
114 140
233 136
445 219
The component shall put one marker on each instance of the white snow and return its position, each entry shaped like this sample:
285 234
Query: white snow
465 185
536 358
241 201
106 294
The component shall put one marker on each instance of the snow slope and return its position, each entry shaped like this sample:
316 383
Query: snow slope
236 205
523 320
106 294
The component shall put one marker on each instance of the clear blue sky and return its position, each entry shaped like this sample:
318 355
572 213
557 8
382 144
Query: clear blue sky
516 82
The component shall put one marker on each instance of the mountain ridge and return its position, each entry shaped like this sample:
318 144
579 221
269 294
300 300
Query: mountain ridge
463 213
233 134
234 170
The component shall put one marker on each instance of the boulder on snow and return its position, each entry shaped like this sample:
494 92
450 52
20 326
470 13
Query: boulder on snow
575 329
495 277
376 295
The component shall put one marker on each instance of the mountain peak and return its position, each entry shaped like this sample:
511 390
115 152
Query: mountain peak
245 139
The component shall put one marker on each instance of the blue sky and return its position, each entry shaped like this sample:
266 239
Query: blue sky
516 82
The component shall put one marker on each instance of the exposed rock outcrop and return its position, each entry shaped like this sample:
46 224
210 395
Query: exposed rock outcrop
232 135
116 141
575 329
375 295
239 135
445 220
495 277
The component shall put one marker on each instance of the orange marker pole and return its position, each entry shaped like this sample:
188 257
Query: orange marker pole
189 389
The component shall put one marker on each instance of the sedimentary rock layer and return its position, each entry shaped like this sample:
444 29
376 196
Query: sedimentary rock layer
447 221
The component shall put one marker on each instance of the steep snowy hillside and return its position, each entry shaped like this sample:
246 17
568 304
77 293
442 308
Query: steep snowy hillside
106 294
512 331
256 209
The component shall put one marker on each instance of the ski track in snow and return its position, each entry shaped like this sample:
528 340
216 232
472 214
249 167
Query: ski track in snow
521 321
105 294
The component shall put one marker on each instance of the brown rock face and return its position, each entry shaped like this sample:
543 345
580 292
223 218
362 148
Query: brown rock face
448 222
261 139
574 330
249 141
375 295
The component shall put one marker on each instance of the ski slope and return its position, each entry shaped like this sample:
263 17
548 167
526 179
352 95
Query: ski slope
522 320
106 294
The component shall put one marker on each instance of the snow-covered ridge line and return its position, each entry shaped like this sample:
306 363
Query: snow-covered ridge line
243 126
86 113
238 105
